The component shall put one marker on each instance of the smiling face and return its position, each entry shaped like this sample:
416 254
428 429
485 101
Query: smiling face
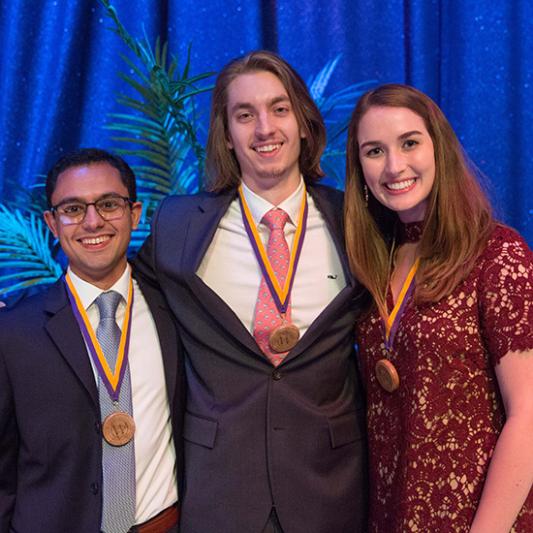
398 159
96 248
263 132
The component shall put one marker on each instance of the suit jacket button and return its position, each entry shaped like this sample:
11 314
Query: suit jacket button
97 427
94 488
276 375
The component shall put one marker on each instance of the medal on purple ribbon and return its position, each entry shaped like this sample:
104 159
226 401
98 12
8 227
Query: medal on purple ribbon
385 371
118 428
284 337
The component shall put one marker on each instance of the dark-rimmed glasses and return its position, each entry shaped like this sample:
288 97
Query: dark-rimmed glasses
108 207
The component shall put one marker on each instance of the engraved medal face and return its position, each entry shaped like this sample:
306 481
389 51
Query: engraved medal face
284 338
118 428
387 375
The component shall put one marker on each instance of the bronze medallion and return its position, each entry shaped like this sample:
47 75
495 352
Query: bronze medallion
284 338
118 428
387 375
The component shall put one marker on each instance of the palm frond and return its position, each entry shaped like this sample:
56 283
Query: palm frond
343 99
160 127
336 109
317 84
25 251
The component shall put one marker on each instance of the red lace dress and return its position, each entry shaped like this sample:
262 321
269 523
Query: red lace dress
431 440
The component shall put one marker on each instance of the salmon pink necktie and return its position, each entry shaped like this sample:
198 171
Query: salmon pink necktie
267 317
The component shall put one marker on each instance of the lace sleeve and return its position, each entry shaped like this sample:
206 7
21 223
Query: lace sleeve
506 297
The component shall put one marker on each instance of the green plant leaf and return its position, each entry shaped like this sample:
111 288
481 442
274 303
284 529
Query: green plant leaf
25 250
159 128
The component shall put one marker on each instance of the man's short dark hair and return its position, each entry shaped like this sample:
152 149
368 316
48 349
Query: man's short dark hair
90 156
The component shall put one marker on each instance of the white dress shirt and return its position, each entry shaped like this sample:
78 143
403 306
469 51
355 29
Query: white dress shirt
230 267
155 455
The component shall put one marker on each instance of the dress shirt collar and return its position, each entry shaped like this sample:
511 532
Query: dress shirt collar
259 206
89 292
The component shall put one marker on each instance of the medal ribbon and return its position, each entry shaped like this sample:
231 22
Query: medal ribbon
393 320
280 295
112 378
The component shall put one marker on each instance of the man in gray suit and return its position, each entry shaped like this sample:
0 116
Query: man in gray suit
256 275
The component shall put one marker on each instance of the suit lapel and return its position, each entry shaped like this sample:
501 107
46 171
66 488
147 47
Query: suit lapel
65 333
333 217
202 226
225 316
322 322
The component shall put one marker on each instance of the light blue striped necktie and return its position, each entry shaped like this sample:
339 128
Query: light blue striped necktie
118 462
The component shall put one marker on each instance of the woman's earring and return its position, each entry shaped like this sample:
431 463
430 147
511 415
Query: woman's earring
365 193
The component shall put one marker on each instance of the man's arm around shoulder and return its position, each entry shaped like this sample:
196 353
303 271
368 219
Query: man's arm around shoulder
166 228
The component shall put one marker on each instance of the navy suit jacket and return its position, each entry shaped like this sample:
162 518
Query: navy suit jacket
50 433
258 436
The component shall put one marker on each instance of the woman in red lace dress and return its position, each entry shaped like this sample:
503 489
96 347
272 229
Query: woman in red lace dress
446 345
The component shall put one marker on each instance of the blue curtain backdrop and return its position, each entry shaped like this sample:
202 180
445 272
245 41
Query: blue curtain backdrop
59 69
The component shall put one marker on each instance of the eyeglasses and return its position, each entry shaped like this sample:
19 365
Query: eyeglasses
109 208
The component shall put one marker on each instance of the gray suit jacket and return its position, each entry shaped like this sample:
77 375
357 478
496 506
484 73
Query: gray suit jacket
255 436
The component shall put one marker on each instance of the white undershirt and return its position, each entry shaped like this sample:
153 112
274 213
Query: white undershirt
230 267
155 455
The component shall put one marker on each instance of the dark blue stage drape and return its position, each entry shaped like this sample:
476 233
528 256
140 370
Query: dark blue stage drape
59 65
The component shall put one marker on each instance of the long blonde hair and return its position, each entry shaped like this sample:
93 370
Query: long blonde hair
458 220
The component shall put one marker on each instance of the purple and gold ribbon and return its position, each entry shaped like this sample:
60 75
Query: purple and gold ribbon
111 377
280 295
393 320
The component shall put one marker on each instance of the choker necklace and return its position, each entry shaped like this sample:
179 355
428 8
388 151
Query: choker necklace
410 232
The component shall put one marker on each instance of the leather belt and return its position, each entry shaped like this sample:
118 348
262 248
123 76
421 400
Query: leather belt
160 523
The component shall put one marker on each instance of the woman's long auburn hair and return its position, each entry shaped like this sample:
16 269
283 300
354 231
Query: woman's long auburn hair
458 219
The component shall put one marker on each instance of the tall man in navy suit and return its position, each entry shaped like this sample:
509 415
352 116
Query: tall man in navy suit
256 274
67 465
